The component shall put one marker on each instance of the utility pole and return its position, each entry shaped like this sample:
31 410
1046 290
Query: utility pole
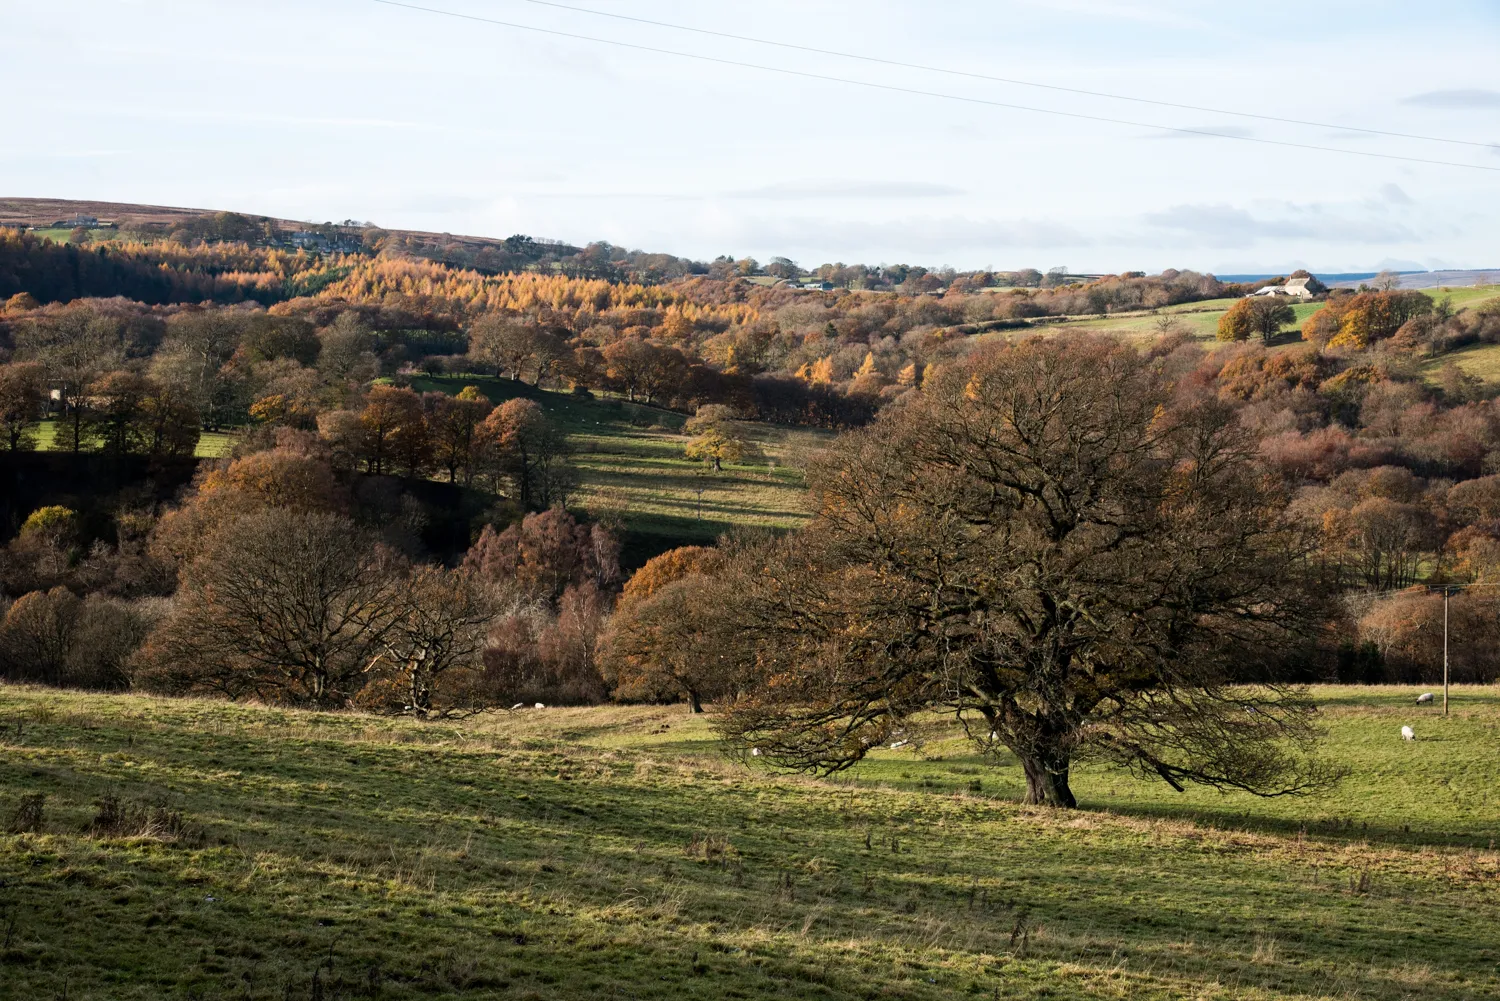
1446 592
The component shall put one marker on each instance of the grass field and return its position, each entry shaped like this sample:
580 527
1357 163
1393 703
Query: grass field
1460 298
629 457
211 444
65 235
612 853
1482 360
1201 319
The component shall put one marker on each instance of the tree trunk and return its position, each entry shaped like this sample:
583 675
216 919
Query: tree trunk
695 701
1047 781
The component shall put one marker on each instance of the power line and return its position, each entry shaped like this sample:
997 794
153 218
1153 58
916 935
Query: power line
1002 79
892 88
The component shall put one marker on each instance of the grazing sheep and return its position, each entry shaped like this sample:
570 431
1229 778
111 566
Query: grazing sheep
754 752
518 705
1424 698
539 705
899 744
1407 733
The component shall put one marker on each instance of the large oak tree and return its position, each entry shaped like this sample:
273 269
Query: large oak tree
1057 545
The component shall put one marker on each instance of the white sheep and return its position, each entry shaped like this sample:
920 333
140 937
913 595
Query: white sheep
539 705
1424 698
754 752
518 705
899 744
1407 733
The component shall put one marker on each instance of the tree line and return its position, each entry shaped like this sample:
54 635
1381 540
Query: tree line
708 337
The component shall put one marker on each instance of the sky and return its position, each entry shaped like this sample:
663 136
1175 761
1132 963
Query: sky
334 109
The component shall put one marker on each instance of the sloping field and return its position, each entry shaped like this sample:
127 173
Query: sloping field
198 849
1482 360
1200 319
629 457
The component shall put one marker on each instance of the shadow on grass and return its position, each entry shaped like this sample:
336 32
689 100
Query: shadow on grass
552 867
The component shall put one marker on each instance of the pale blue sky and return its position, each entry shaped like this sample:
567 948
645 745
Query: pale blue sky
327 109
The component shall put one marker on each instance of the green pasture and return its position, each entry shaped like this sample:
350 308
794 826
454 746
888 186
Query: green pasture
1200 319
211 444
65 234
1482 360
196 849
629 457
1461 298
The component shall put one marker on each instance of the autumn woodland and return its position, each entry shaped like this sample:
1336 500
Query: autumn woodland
842 521
452 568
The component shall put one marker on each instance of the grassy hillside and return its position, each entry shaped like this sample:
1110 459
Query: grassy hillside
245 852
1201 319
1460 298
1482 360
629 456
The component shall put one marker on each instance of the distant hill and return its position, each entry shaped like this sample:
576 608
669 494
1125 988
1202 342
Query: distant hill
1328 278
1437 279
1408 279
45 213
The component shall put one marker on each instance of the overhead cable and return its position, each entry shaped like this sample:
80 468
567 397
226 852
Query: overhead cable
1007 80
893 88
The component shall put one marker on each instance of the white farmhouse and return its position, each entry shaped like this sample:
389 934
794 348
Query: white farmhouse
1296 288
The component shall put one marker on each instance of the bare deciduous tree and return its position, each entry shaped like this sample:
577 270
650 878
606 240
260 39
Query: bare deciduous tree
292 606
437 631
1051 545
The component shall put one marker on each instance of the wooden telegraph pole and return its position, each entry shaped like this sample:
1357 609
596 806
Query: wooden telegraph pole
1446 592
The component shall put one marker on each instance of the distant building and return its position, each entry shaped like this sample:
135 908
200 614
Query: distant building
86 221
817 286
1296 289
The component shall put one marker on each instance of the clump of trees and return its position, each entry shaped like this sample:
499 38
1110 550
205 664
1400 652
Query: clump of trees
1355 321
1257 315
354 620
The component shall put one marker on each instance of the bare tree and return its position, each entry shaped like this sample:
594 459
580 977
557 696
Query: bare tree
20 406
291 606
437 632
505 344
1050 545
73 346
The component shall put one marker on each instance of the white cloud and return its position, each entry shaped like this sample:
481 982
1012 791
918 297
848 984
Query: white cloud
1230 226
1463 98
823 190
1394 194
1204 132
